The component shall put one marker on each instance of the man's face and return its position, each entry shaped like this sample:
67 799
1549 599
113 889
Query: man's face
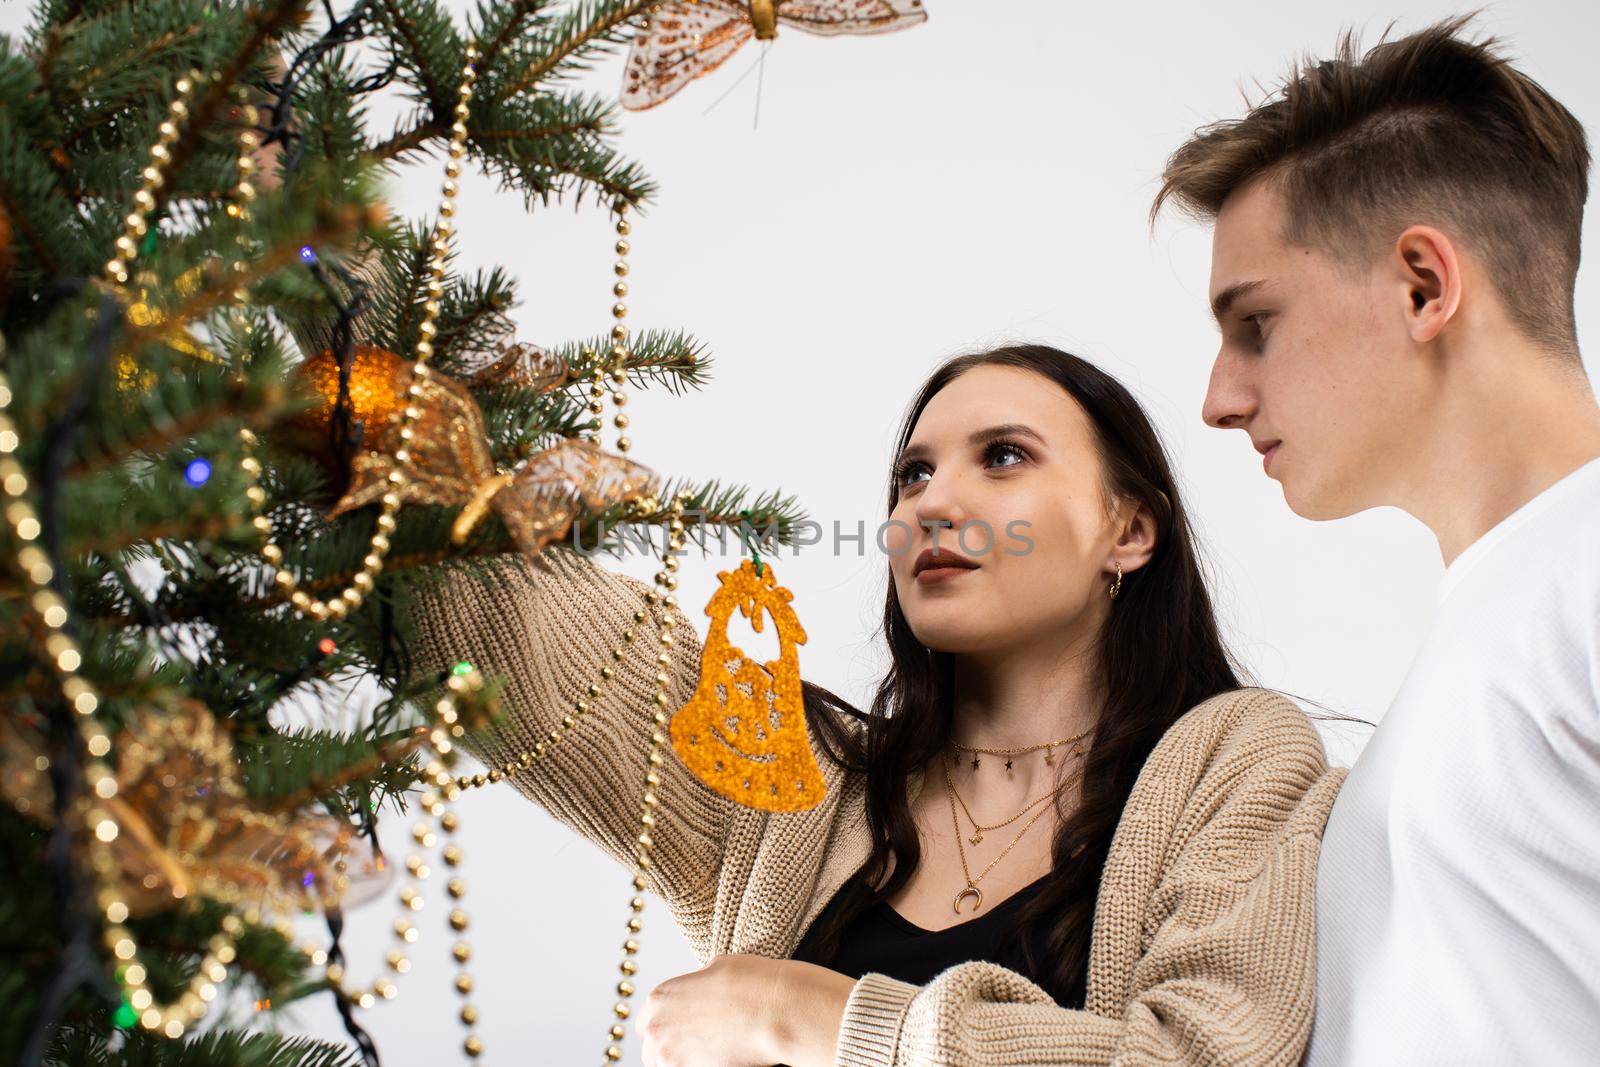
1315 359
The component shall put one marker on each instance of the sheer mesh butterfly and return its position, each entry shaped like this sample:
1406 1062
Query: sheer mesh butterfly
685 39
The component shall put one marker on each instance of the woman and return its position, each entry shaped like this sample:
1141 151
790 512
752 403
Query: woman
1063 834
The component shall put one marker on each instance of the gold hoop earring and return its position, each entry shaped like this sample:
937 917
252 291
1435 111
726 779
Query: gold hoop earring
1116 586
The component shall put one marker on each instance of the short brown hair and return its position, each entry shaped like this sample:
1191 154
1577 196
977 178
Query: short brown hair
1426 128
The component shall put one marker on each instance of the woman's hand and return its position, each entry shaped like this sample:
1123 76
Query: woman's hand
745 1011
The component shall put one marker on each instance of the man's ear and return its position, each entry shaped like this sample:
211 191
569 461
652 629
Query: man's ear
1427 267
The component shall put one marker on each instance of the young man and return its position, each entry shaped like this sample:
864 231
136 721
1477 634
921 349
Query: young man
1396 245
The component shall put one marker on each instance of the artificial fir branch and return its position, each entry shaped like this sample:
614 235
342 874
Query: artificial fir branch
266 24
333 229
237 405
590 25
514 17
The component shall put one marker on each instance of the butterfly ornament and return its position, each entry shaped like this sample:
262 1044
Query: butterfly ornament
682 40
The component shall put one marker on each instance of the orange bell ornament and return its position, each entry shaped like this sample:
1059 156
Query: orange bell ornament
743 732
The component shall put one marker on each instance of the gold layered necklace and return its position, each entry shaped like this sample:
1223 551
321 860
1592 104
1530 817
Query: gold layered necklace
971 888
1010 754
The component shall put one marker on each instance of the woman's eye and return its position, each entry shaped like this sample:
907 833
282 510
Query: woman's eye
1001 449
907 472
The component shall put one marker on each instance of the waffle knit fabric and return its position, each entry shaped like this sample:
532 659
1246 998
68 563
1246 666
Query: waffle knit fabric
1203 943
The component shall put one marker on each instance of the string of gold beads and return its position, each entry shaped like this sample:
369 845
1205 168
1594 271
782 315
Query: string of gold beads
617 365
211 970
136 223
437 801
666 583
66 657
619 331
665 579
619 377
351 597
417 870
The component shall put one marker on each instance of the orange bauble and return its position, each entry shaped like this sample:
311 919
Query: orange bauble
378 381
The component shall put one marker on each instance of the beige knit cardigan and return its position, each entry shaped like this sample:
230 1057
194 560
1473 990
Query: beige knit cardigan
1203 946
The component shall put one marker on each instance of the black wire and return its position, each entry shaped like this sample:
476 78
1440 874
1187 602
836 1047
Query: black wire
352 27
369 1051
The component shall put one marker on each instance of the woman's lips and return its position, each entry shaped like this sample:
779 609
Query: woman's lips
933 575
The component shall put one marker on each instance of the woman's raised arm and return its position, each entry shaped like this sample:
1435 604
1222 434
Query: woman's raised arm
548 634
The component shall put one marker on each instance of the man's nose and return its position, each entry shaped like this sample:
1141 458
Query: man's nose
1228 400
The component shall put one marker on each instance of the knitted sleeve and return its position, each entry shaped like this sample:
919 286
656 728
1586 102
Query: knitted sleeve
1204 941
547 635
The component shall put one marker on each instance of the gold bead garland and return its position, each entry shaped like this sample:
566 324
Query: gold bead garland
666 583
66 658
619 332
103 828
437 802
136 224
617 368
619 377
351 597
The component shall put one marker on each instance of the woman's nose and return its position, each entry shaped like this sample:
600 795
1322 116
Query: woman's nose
939 503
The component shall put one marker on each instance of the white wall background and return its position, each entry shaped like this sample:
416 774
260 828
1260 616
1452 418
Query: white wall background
980 178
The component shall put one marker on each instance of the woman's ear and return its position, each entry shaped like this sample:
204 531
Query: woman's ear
1136 537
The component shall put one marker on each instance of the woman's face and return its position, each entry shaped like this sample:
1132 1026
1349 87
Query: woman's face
1026 508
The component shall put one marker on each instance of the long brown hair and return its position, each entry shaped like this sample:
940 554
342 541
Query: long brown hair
1159 654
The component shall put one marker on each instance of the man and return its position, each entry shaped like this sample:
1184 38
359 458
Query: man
1396 244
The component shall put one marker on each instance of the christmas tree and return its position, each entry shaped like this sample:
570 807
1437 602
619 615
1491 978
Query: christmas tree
245 410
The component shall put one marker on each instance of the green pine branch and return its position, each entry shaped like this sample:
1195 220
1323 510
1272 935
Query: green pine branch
82 1047
589 28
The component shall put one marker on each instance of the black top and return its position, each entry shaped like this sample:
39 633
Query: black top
880 939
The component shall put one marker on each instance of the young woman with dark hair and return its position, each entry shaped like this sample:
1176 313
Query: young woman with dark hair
1063 832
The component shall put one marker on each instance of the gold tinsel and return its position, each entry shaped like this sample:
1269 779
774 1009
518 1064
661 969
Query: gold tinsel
449 464
186 825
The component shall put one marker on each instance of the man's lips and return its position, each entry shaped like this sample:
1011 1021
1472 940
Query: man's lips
1268 449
